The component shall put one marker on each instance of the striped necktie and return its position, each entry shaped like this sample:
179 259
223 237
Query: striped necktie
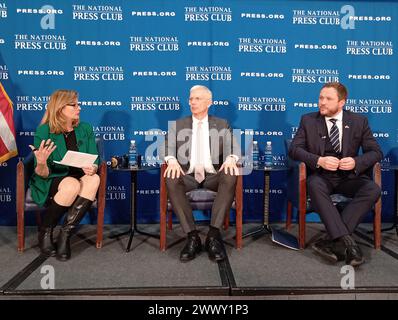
334 136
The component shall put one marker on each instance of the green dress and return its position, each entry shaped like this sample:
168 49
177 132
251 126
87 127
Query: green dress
40 187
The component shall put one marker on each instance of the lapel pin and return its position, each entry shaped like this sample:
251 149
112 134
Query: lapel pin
323 137
346 127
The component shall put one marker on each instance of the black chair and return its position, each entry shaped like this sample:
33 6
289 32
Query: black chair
25 203
297 198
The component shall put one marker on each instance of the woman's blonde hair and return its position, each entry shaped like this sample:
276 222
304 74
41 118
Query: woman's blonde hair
54 116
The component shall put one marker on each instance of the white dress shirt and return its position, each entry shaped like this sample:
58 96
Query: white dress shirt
339 123
205 148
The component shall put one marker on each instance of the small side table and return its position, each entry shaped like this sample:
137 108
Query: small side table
133 207
265 228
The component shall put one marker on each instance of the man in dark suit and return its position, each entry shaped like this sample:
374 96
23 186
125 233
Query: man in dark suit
200 154
328 142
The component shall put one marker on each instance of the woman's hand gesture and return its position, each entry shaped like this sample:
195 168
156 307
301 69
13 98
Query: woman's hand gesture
43 152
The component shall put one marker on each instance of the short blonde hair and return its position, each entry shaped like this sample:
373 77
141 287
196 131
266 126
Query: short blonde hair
53 115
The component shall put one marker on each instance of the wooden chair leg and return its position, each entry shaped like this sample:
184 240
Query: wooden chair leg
100 228
21 230
101 205
162 230
163 209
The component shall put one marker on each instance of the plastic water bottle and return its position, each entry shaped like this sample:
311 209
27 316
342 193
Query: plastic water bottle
255 154
133 155
268 155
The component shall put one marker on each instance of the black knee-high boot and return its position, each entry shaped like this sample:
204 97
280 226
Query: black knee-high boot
51 217
72 219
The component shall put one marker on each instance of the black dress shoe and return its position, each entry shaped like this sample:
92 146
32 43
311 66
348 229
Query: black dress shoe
354 256
191 248
215 249
324 248
339 250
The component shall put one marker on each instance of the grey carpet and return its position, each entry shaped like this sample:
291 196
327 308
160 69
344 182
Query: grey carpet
260 263
111 267
11 262
276 266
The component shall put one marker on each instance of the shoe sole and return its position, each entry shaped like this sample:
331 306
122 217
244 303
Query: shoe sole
327 257
194 256
356 263
217 259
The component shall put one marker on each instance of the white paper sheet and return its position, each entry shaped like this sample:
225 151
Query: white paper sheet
77 159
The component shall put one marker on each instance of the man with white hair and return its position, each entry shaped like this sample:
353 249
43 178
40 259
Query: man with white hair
200 153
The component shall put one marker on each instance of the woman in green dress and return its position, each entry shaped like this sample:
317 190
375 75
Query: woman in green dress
62 188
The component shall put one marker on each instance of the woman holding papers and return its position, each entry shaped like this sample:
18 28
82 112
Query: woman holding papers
62 188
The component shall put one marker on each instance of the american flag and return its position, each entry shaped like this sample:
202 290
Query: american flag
8 146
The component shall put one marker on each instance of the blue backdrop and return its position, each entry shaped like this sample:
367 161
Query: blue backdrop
133 63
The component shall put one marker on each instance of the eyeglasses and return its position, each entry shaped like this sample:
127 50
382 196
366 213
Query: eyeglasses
74 105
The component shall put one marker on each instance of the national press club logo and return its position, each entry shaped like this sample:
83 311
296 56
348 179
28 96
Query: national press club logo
154 43
206 73
110 133
3 10
97 13
262 45
369 48
5 194
31 103
265 104
40 42
308 76
98 73
155 103
345 17
205 14
115 193
3 72
369 105
316 17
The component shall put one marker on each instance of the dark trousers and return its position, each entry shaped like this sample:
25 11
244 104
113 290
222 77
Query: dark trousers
363 191
223 184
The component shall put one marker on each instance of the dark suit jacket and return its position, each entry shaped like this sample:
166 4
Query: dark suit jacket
222 144
309 142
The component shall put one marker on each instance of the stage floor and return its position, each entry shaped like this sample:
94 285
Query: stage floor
260 270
